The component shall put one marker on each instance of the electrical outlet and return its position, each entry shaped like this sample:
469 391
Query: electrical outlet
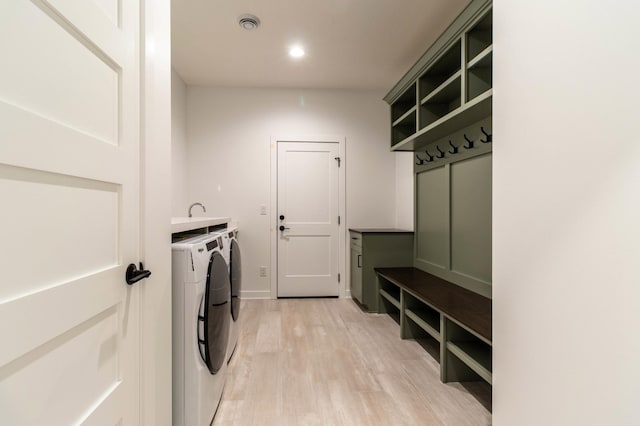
263 271
263 209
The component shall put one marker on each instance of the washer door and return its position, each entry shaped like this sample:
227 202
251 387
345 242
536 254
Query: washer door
236 278
213 317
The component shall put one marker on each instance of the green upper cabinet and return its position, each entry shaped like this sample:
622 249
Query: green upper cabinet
450 86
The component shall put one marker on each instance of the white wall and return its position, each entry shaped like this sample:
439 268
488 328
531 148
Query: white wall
404 190
179 185
566 218
229 157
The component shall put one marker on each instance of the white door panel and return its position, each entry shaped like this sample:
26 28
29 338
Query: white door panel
32 141
46 74
36 198
299 250
69 171
308 199
32 314
307 187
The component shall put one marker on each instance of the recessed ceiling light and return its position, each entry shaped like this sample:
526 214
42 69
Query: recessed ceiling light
296 52
248 22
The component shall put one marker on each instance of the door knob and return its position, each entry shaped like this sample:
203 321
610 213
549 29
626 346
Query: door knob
282 227
133 274
281 217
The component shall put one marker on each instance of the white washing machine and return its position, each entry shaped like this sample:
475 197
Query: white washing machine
232 248
201 324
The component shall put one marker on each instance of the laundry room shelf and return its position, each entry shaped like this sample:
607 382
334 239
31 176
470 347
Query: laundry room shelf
184 224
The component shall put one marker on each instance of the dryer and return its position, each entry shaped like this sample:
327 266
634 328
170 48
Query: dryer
232 248
201 300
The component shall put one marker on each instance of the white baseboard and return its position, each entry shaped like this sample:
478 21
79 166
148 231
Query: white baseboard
266 294
255 294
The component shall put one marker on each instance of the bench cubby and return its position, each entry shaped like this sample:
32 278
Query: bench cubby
389 302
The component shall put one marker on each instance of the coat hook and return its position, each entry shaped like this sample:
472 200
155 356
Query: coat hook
469 143
454 149
420 160
487 135
429 157
440 153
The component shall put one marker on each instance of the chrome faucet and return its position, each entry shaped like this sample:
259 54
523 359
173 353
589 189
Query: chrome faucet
196 204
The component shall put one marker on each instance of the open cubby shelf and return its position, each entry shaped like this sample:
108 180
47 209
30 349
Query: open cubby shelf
394 301
479 74
476 355
482 60
404 103
428 324
405 116
449 82
446 92
479 36
441 71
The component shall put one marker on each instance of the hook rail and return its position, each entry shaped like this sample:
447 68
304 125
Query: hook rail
454 149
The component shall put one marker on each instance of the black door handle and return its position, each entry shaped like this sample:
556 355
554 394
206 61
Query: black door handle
282 227
281 217
133 275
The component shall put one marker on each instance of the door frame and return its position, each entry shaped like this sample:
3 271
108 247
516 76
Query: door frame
273 204
155 212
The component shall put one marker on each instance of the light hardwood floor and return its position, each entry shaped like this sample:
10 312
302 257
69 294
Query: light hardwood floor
325 362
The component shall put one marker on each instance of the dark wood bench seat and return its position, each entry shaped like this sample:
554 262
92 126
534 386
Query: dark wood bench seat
466 307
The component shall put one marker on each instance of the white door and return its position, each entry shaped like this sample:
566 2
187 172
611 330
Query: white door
69 171
308 211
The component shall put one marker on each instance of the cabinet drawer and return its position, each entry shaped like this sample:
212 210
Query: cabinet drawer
356 240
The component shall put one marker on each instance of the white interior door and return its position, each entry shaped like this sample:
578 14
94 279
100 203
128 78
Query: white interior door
69 171
308 210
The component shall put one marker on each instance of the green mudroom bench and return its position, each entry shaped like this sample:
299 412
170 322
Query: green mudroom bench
458 319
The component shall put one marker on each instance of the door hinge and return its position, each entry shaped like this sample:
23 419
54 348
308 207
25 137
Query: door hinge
338 159
338 277
338 220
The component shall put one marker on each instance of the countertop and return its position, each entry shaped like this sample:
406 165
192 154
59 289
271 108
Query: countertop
379 230
182 224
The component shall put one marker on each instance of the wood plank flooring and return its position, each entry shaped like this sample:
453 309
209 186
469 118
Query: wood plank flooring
325 362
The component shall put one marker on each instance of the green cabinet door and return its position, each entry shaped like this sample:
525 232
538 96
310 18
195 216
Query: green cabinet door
376 248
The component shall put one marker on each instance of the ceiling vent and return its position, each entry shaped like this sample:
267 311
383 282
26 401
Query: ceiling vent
249 22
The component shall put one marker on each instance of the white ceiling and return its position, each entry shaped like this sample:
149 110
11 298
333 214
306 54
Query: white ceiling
350 44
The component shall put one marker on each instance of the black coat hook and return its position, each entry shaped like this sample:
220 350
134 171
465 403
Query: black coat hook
454 149
420 161
469 143
487 136
429 157
440 153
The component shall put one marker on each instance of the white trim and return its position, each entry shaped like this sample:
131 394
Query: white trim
273 202
255 294
155 215
273 222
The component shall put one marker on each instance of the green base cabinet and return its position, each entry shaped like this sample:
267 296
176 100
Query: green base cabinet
375 248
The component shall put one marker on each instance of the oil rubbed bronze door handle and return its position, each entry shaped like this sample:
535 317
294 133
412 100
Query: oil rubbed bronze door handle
133 274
